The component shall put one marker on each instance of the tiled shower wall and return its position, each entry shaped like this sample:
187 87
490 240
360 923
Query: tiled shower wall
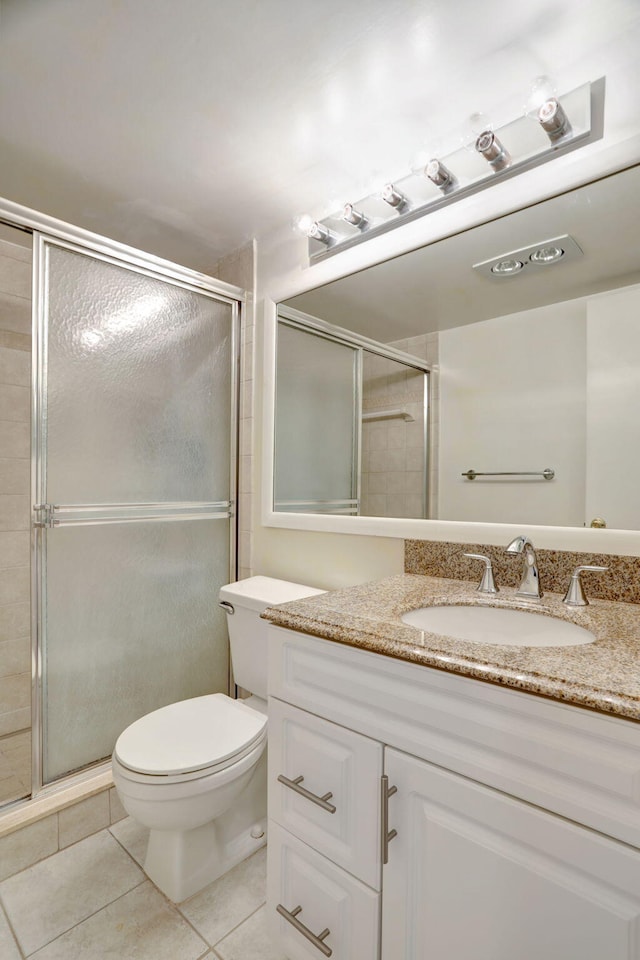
393 481
15 643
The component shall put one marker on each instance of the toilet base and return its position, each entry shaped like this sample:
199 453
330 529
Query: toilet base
182 862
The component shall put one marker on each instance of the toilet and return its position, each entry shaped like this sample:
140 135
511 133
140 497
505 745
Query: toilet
195 771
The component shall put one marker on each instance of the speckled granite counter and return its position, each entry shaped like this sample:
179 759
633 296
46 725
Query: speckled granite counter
604 675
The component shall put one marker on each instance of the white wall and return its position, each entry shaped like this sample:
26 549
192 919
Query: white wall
513 394
613 408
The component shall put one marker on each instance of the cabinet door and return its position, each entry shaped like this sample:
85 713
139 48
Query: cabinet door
311 759
324 912
474 873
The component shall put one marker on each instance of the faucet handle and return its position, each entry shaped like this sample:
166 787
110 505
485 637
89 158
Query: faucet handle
575 595
487 584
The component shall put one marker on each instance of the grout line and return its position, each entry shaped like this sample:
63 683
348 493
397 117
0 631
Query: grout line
233 929
10 925
84 919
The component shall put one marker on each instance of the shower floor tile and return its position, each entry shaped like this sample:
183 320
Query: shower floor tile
91 901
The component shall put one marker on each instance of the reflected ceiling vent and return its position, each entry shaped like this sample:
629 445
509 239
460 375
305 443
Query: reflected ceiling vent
530 259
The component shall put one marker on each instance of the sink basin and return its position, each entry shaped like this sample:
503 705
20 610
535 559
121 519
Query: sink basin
514 628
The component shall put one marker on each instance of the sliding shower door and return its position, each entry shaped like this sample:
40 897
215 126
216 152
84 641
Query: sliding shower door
134 492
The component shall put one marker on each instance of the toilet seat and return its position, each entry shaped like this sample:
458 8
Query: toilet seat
190 739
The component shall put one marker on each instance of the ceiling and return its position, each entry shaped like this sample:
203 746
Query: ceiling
436 287
186 127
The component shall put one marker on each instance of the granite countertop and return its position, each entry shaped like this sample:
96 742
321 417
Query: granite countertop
604 675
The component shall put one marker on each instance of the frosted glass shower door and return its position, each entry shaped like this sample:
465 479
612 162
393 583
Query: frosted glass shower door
137 416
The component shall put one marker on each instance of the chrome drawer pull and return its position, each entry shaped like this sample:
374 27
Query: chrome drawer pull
295 785
317 941
386 834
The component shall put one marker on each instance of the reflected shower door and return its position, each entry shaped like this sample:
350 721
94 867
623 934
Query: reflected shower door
137 405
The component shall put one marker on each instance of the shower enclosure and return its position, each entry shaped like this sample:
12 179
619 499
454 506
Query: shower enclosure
133 492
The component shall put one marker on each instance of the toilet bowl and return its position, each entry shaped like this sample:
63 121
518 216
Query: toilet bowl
194 772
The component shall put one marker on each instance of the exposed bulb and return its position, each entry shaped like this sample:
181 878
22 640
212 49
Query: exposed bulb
355 217
394 197
543 106
440 175
543 88
306 226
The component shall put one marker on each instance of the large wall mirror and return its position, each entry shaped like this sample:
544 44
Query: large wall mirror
527 329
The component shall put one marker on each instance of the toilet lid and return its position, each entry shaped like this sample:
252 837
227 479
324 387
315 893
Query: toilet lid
190 735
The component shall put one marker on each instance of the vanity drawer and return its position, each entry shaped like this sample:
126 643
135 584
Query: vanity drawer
324 787
330 900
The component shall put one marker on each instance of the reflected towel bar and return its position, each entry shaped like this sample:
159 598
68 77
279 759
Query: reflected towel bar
396 414
546 474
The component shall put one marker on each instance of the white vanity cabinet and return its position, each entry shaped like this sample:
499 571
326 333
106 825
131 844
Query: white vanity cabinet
517 819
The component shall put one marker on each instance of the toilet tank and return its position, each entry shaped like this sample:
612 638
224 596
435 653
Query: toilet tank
247 632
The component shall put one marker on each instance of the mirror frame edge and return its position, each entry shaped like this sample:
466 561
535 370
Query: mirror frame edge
585 540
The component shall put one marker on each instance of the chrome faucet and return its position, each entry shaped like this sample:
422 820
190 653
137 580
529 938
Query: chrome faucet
530 583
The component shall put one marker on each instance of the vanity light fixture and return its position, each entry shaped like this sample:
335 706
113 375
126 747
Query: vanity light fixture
494 152
509 148
355 217
543 106
314 229
438 174
394 197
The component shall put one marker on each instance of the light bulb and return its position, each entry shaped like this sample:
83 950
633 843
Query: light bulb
440 175
394 197
493 150
306 226
543 106
355 217
547 254
542 89
506 268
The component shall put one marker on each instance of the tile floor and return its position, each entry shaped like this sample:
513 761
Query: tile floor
91 901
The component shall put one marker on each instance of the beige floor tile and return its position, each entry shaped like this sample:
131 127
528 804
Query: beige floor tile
25 847
83 819
221 906
67 888
249 941
8 946
133 838
141 925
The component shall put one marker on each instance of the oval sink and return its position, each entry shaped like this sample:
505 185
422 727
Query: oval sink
514 628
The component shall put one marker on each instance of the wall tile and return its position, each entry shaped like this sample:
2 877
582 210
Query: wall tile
15 403
15 583
27 846
15 314
15 341
15 276
15 720
15 476
15 548
84 818
15 367
15 657
15 692
15 512
15 621
15 439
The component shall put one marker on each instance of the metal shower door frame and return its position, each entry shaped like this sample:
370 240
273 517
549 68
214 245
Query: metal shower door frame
45 516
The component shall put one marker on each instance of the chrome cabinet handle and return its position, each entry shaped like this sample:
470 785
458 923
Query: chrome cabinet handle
386 834
292 917
295 785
